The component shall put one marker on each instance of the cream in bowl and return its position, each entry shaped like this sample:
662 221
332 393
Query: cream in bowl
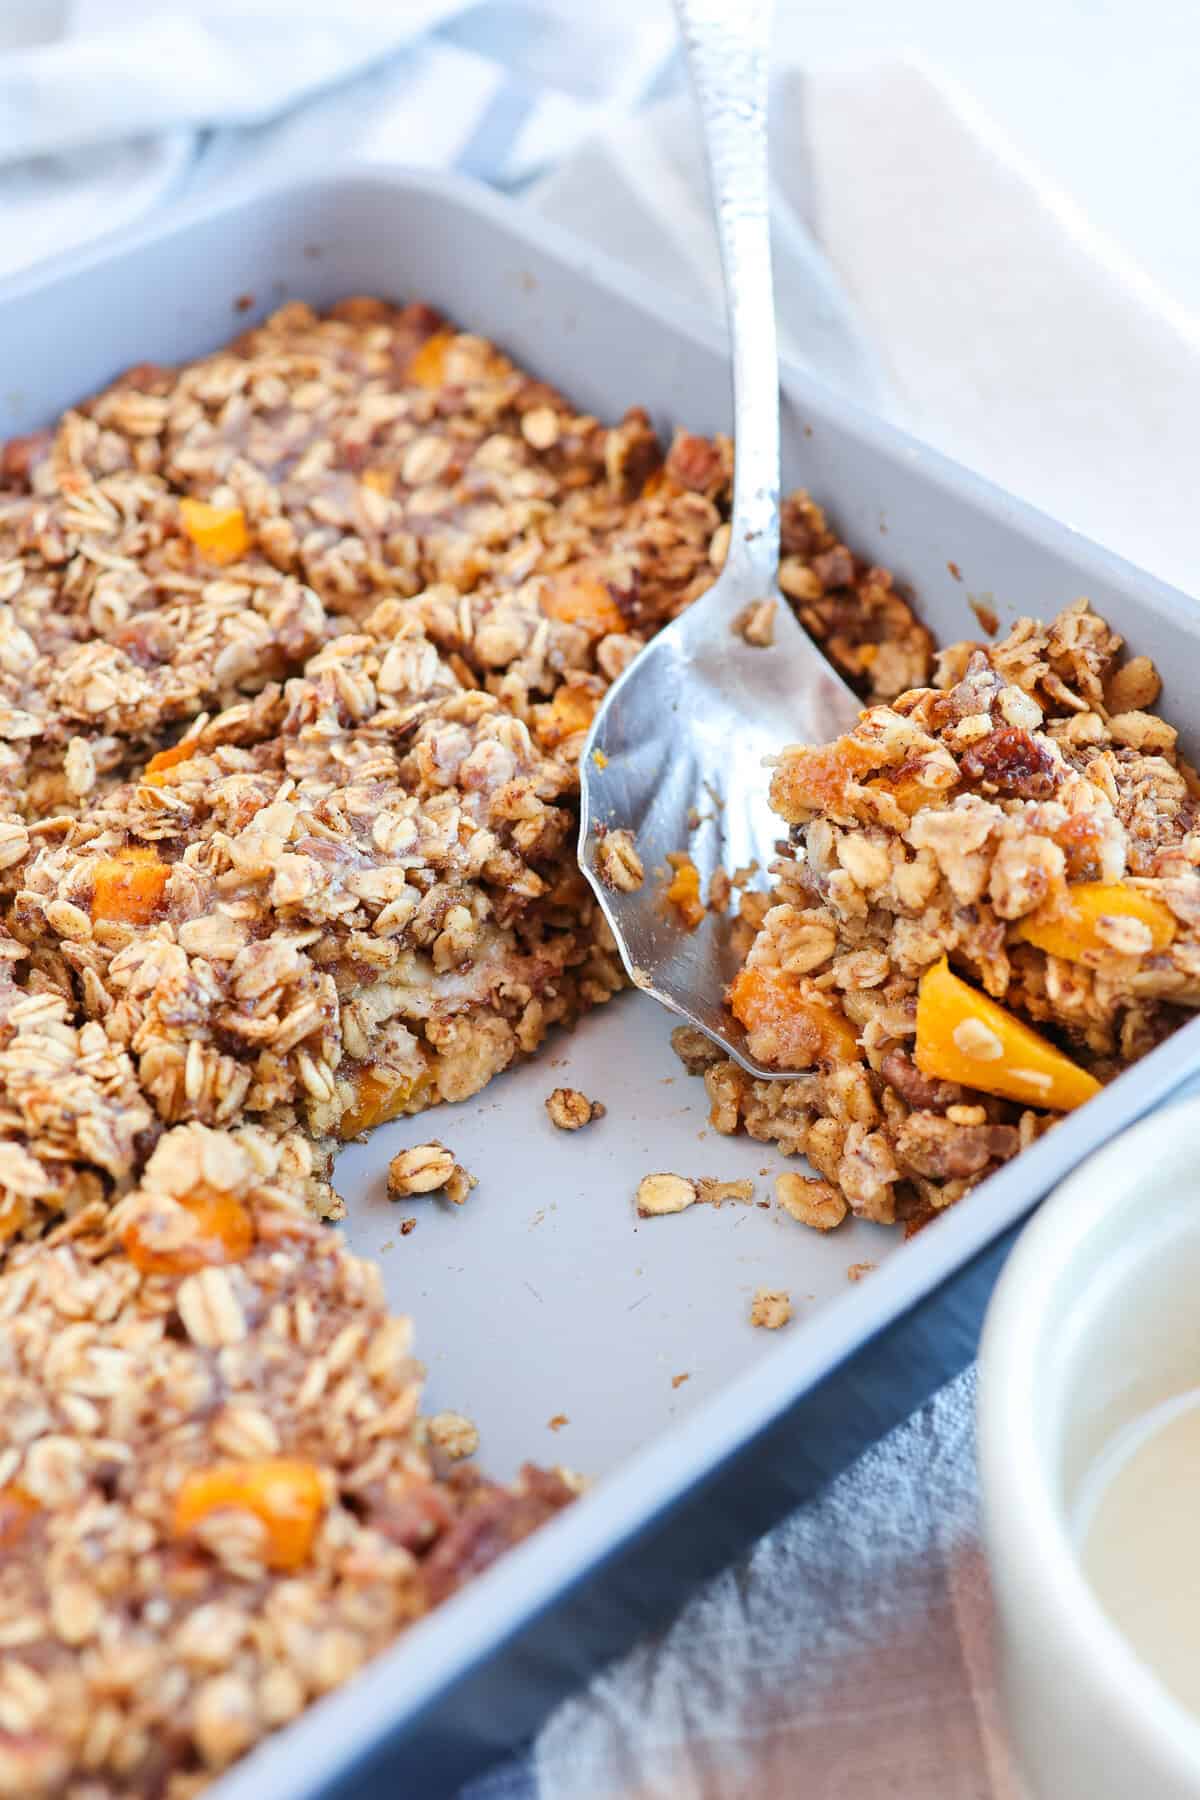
1138 1529
1089 1449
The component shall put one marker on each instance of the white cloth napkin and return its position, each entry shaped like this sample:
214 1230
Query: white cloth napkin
1001 326
125 105
928 271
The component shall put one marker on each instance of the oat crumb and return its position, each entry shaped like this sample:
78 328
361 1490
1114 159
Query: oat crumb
617 862
407 1225
453 1434
713 1193
460 1184
425 1169
755 624
720 889
856 1271
677 1381
558 1421
421 1170
813 1203
770 1308
571 1110
664 1194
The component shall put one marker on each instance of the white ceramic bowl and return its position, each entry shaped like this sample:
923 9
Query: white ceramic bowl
1095 1320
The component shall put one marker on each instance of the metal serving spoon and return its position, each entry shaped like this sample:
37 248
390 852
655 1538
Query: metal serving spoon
684 732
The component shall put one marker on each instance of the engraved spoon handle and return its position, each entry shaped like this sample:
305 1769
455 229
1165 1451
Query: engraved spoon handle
727 45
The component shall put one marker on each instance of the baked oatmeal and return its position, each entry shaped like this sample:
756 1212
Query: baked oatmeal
989 907
350 891
218 1499
299 645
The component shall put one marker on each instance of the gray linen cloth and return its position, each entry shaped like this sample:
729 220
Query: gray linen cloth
848 1656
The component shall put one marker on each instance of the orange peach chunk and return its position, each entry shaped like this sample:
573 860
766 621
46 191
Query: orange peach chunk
684 893
1074 934
128 887
571 711
964 1036
798 1022
380 1096
576 598
659 482
284 1493
162 760
16 1510
427 367
909 792
218 532
817 779
218 1230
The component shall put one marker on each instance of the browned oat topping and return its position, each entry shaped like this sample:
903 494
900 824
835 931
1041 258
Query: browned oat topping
990 906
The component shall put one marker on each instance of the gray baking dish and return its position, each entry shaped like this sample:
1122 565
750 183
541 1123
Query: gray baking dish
585 1314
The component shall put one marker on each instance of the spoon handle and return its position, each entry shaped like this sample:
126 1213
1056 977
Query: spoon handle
727 45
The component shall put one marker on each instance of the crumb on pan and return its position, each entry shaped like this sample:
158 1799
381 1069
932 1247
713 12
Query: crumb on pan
771 1308
857 1271
813 1203
712 1192
452 1434
423 1169
571 1110
460 1184
658 1194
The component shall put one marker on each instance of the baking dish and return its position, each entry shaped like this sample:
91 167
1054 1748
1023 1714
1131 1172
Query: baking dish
544 1298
